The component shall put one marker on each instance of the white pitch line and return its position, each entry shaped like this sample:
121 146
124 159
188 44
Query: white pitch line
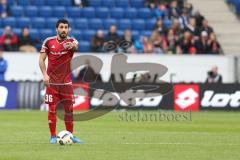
131 143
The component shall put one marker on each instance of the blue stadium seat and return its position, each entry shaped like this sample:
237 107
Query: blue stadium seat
77 34
34 34
130 13
1 31
122 3
11 2
31 11
38 3
94 3
52 3
45 11
23 22
10 21
167 23
59 12
138 24
38 22
144 13
120 32
117 13
44 33
74 12
124 24
71 22
81 23
135 34
17 11
23 2
146 33
0 23
102 12
17 31
84 46
95 24
108 3
51 23
88 12
108 22
88 34
66 3
150 24
237 7
137 3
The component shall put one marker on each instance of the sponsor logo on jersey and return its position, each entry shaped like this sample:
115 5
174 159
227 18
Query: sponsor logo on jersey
58 53
53 46
186 97
220 100
3 96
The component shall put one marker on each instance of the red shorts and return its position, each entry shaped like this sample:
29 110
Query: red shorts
57 93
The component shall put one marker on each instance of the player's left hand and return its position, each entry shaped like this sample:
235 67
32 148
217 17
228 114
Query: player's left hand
68 45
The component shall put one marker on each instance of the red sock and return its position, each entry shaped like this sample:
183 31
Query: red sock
52 120
68 117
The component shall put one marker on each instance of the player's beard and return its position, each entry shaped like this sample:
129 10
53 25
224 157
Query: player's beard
63 35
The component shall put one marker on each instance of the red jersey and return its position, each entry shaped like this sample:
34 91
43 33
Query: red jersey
59 59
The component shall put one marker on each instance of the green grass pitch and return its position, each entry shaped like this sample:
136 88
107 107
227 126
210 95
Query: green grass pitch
24 135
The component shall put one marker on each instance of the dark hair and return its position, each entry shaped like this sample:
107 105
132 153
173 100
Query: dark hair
64 21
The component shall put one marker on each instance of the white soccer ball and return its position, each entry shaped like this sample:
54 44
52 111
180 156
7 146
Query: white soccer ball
65 138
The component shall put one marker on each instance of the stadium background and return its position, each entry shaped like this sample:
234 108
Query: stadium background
188 65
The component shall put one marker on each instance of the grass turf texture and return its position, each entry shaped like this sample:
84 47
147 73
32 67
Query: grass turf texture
24 135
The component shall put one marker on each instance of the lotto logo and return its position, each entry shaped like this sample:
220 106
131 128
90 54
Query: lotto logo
186 97
81 97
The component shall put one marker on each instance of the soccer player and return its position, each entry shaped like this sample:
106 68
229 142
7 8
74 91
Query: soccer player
59 50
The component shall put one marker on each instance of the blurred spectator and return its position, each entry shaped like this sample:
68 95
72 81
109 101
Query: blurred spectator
214 46
97 42
4 9
156 40
213 76
172 40
206 27
174 10
176 27
150 3
202 45
183 19
160 27
147 45
127 41
187 43
138 45
87 74
192 28
80 3
186 6
112 34
8 40
199 19
25 42
3 66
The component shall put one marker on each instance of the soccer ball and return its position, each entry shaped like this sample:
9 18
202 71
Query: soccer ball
64 138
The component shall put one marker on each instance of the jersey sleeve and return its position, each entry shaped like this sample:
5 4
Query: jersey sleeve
45 48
